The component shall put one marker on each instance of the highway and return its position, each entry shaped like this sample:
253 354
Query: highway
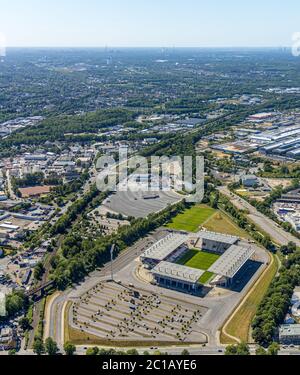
274 230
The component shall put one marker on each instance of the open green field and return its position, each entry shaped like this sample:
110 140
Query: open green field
206 277
191 219
221 223
240 324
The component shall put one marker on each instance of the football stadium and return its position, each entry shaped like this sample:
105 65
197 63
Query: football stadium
187 262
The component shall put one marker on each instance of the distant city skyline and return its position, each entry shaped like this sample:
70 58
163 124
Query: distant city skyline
149 23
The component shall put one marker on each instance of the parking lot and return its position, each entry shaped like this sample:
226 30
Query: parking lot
115 312
133 203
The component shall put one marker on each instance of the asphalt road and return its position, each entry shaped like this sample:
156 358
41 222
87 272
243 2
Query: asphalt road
274 230
55 316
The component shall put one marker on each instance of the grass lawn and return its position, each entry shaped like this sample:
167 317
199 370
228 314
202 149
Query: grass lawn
239 326
198 259
201 260
206 277
191 219
222 223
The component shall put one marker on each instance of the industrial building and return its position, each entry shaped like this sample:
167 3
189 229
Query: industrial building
291 197
250 181
289 334
278 135
284 141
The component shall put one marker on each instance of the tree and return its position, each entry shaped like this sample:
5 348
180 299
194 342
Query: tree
38 346
240 349
92 351
185 352
214 200
24 323
290 248
15 303
51 346
273 349
268 166
69 348
260 351
132 352
39 271
284 169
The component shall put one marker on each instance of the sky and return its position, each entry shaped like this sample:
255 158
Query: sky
149 23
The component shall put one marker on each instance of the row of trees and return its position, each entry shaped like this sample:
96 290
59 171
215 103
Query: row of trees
276 302
243 349
244 223
81 255
265 206
74 210
50 347
81 127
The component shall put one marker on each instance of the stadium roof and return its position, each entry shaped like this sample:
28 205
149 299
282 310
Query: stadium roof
232 261
218 237
178 272
161 249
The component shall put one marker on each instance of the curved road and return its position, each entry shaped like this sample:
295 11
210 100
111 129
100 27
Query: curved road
274 230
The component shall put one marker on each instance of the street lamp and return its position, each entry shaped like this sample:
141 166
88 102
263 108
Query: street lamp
114 246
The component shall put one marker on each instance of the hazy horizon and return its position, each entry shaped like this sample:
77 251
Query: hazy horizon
149 24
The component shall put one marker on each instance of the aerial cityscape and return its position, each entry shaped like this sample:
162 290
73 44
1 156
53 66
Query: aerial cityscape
149 196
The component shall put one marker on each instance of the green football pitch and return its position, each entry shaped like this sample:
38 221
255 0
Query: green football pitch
191 219
200 260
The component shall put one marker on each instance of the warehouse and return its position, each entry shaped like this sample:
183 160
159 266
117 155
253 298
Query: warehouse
295 154
289 334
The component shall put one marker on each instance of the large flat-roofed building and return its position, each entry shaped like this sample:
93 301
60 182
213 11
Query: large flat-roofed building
289 334
177 276
250 181
230 263
165 248
294 154
214 242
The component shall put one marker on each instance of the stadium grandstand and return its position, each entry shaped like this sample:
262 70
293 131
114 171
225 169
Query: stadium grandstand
177 276
171 246
214 242
229 264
